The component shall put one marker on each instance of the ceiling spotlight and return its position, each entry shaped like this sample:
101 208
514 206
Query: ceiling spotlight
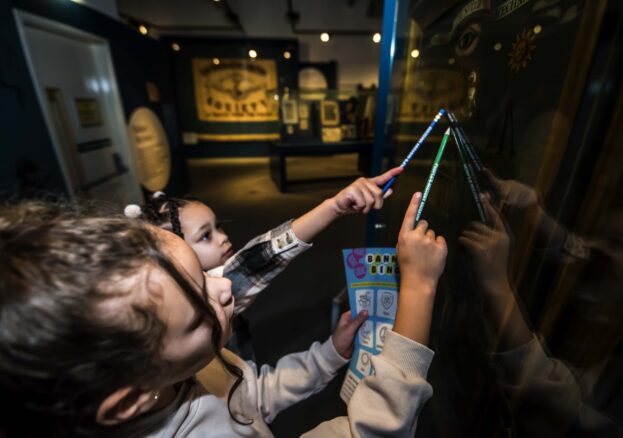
252 54
216 61
143 29
415 53
497 47
175 47
376 37
287 55
324 37
537 29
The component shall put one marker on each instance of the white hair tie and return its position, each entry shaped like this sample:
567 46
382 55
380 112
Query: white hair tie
132 211
158 194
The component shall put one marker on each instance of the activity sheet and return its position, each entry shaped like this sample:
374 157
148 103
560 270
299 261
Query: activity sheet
372 282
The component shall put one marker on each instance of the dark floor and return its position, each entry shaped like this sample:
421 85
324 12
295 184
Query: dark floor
295 310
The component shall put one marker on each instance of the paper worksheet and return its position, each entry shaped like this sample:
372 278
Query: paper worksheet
372 282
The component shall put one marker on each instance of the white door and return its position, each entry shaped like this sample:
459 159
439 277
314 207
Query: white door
76 86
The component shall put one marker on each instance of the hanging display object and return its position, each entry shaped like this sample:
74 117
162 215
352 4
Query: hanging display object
330 121
150 149
304 116
329 113
236 90
289 111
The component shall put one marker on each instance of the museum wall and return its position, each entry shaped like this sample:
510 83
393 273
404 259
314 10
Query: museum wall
25 141
228 102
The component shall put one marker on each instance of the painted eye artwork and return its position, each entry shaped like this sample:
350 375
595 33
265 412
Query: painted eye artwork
468 40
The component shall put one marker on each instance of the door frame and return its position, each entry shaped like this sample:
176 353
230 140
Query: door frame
24 20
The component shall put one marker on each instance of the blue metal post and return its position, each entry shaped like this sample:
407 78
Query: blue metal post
388 47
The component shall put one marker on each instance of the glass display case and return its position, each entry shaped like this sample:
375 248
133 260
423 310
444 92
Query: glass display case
527 327
323 122
327 115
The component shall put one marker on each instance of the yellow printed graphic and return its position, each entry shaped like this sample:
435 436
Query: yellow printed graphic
236 90
373 284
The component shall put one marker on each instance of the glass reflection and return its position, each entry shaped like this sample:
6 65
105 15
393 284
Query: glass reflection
528 329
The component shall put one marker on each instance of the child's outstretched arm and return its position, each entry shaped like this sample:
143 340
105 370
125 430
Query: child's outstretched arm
359 197
253 267
422 257
388 403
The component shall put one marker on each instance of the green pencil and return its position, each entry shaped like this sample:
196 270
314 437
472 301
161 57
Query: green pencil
433 173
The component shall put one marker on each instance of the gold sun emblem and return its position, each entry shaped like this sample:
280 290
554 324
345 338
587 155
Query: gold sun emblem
521 52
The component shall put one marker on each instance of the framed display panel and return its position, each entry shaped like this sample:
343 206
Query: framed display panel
536 87
329 113
297 123
235 91
330 116
289 111
227 98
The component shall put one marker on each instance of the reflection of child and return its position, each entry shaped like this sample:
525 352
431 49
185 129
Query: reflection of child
96 338
545 398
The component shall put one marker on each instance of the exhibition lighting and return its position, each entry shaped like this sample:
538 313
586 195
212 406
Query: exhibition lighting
175 47
415 53
252 54
537 29
324 37
376 38
216 61
143 29
287 55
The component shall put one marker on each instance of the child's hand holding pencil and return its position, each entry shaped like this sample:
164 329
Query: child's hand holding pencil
364 194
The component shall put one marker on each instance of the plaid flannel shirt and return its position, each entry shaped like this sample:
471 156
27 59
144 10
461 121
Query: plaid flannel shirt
263 258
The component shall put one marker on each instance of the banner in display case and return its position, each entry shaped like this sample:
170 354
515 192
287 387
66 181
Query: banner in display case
235 90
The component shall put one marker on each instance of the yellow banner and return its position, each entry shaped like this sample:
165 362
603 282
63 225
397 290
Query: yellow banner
427 90
236 90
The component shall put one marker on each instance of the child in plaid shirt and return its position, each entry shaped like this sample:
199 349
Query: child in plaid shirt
253 267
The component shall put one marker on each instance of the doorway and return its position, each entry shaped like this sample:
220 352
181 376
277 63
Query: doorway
75 83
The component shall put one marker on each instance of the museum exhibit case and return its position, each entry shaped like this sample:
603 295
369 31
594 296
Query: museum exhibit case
527 329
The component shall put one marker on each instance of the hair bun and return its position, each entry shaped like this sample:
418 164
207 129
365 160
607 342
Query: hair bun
132 211
158 194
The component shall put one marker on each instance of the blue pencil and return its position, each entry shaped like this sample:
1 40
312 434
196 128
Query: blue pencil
430 128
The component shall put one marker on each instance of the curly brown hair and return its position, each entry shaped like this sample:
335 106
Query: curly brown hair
59 357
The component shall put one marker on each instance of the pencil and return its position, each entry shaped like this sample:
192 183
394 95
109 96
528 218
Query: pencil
419 143
471 178
467 145
433 173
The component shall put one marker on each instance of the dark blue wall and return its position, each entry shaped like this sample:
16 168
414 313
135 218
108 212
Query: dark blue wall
23 135
27 160
235 48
